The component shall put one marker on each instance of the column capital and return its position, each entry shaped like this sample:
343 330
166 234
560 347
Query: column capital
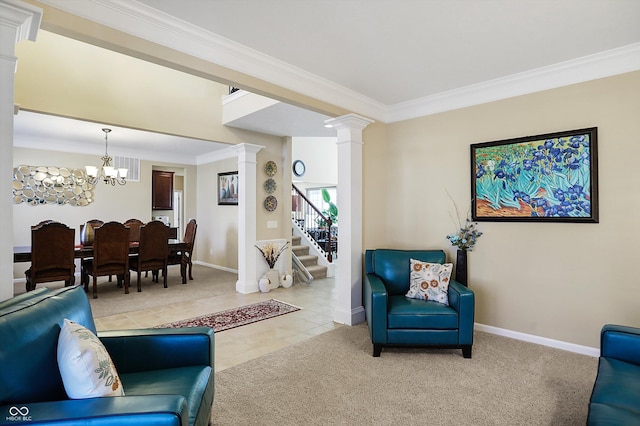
349 121
247 148
23 17
246 151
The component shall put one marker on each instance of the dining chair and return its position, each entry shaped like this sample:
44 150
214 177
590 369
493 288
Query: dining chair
153 251
110 256
52 254
184 258
134 228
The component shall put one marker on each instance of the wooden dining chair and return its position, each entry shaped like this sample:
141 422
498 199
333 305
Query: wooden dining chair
184 258
52 254
134 229
110 255
153 251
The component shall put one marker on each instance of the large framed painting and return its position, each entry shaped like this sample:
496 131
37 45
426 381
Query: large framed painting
228 188
544 178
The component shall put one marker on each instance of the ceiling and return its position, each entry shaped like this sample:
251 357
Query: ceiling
34 130
387 59
392 52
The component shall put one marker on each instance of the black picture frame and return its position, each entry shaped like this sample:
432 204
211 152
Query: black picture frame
228 188
550 177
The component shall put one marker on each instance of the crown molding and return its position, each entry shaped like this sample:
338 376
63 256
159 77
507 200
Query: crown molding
21 16
145 22
604 64
50 144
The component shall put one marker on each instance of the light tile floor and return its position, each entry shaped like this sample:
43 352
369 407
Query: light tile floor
235 346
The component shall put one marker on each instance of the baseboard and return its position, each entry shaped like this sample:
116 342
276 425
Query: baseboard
211 265
558 344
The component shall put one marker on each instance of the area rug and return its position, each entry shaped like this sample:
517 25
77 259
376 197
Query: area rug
232 318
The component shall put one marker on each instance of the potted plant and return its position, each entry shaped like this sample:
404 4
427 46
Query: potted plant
331 212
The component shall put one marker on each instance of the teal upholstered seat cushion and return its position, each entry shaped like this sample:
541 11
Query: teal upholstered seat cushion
609 415
190 382
420 314
618 385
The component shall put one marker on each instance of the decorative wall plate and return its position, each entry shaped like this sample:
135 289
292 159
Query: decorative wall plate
270 203
271 168
270 186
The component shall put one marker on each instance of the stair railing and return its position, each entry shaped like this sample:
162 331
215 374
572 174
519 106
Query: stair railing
316 225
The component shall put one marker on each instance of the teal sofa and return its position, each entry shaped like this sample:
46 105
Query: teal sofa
615 399
395 320
167 374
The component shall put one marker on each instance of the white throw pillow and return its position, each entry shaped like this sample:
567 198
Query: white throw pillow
85 365
429 281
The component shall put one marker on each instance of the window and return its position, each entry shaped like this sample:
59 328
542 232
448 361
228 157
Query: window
315 196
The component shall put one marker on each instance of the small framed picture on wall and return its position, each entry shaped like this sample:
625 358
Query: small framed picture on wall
228 188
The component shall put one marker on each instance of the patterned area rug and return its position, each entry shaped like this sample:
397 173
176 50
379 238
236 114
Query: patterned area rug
237 317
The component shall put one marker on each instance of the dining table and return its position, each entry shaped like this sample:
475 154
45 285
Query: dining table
176 246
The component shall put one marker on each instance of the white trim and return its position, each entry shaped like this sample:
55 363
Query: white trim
24 17
558 344
213 266
48 144
219 155
600 65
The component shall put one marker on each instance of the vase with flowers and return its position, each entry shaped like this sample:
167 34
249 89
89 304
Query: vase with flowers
465 239
271 251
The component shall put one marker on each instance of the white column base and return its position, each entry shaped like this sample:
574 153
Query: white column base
246 287
352 317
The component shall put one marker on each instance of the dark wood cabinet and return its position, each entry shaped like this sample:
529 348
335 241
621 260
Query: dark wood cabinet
162 190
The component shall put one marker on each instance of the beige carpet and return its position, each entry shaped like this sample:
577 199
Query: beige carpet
207 282
333 379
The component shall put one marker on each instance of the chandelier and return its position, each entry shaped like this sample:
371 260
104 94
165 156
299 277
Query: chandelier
108 173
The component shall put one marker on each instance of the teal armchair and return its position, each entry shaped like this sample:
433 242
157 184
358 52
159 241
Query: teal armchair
395 320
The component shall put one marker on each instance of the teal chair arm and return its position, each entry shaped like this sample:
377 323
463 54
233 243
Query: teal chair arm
463 301
159 348
156 410
375 306
620 342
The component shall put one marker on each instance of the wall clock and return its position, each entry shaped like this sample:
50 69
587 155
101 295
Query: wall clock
299 168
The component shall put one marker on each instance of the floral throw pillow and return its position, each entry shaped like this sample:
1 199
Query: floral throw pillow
429 281
85 365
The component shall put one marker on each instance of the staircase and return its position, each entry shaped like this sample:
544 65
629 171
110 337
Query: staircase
308 260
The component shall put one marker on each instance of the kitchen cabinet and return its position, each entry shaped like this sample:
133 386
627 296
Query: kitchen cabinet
162 190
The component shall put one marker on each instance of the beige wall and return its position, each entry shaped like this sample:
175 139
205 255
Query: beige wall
94 84
557 280
218 225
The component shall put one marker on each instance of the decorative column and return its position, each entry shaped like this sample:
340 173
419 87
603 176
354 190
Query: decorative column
349 128
18 21
247 164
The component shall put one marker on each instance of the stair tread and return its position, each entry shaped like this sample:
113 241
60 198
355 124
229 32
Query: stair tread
307 256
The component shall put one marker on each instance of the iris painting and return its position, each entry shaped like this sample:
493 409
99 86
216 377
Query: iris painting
550 177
